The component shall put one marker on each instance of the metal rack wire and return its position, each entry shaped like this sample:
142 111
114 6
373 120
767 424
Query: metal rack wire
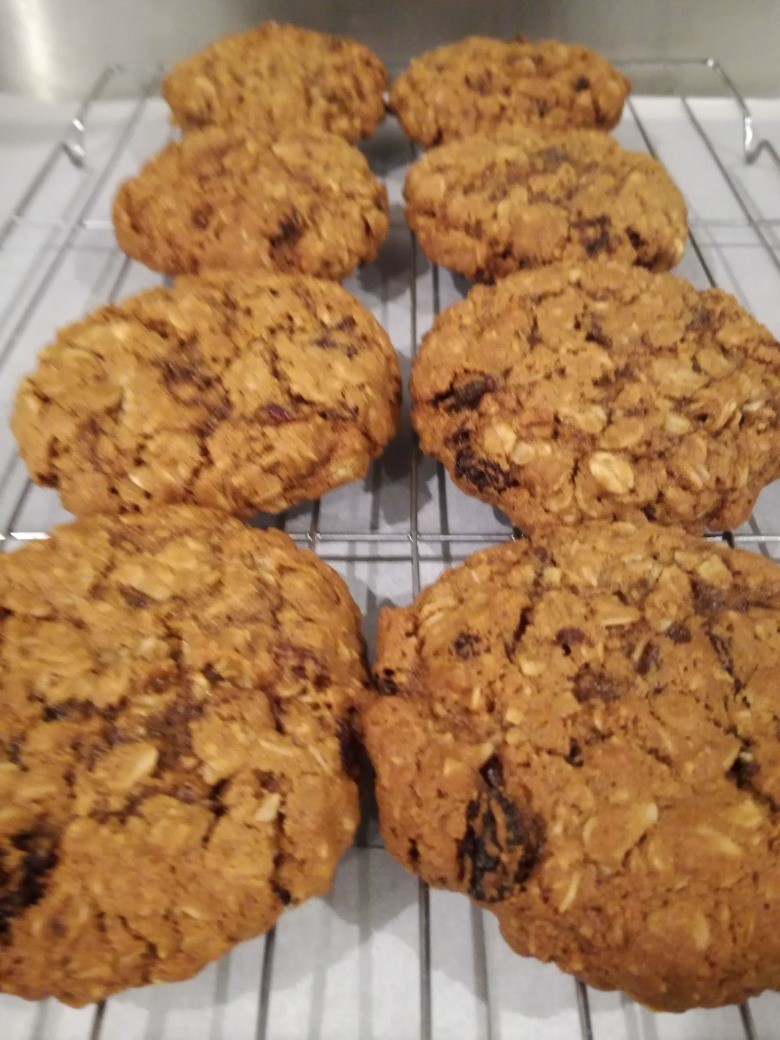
437 526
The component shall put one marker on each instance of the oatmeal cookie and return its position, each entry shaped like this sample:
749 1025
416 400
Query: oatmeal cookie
277 76
227 198
175 746
241 392
602 392
480 84
581 734
488 205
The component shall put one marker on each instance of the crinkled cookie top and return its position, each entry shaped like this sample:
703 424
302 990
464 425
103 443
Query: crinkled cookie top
275 77
488 205
238 391
175 746
601 391
236 199
582 734
480 84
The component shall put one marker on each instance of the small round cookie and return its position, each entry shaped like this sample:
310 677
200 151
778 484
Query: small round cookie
228 198
480 84
602 392
489 205
241 392
274 77
176 762
582 736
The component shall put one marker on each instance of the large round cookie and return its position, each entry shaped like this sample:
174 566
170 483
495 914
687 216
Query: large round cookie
582 735
237 391
229 198
479 84
175 746
602 391
488 205
275 77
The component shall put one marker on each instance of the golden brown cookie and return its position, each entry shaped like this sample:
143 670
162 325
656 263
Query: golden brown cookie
276 77
581 734
242 392
488 205
175 746
227 198
602 392
480 84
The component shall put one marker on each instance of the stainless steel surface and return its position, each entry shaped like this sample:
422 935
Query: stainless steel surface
55 48
437 969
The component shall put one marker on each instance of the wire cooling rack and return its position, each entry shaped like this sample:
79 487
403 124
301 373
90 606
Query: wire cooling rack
382 958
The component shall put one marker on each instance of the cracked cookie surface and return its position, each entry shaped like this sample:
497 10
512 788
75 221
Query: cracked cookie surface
236 391
602 392
582 735
175 746
233 199
277 76
488 205
480 84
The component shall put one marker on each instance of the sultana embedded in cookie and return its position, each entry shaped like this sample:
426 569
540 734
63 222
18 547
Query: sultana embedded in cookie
275 77
582 735
488 205
235 199
480 84
175 746
242 392
601 391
